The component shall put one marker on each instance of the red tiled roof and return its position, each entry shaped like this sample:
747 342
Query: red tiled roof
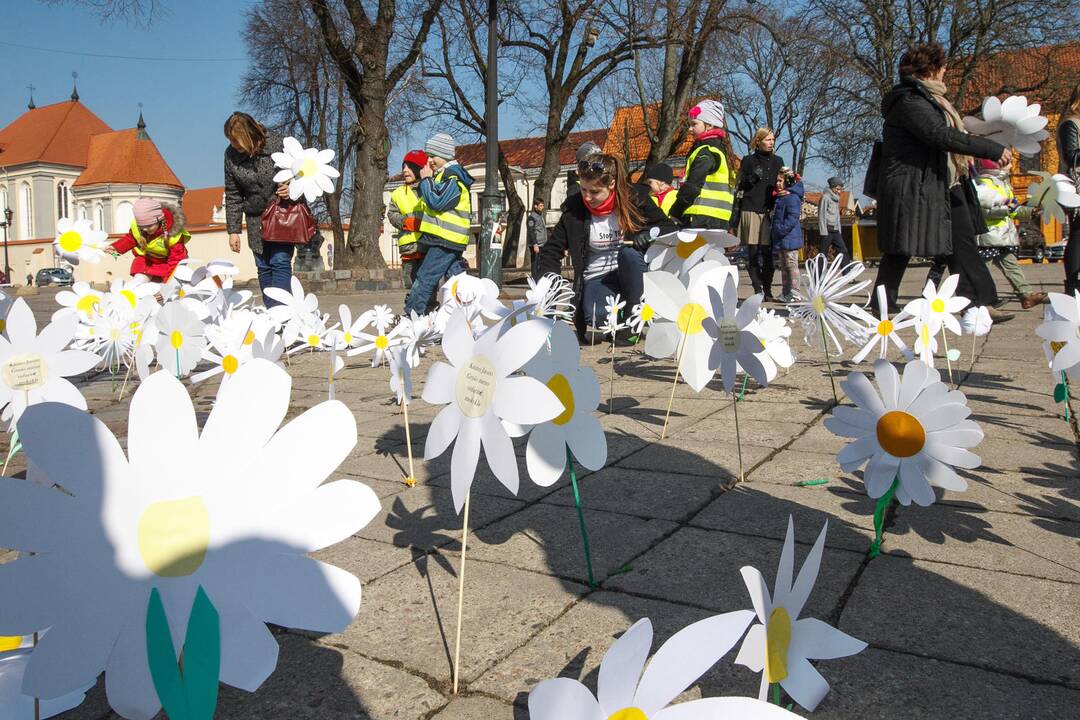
199 205
628 130
58 133
528 152
124 157
1044 74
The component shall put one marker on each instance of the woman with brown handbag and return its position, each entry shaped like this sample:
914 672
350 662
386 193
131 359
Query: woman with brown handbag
249 191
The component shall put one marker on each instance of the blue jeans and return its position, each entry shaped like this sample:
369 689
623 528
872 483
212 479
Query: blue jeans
438 261
274 264
632 269
595 293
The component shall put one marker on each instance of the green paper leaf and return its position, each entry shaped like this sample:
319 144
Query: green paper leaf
161 656
190 693
953 354
812 483
1061 391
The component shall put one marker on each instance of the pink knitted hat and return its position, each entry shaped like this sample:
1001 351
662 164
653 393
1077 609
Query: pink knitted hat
147 212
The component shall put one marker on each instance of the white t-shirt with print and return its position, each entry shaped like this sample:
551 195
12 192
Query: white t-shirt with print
605 238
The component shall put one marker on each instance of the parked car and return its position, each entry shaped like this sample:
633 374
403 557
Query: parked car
53 276
1033 246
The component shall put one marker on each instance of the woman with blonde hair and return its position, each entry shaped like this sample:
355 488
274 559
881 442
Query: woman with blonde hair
1068 146
249 189
755 195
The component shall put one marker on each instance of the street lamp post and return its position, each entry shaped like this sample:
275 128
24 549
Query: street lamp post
492 204
6 224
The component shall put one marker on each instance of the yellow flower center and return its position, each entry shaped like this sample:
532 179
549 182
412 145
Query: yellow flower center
130 297
561 387
381 342
10 643
87 304
686 249
229 363
900 434
313 340
176 339
885 328
690 317
631 713
348 338
818 304
938 305
71 241
647 313
3 325
924 335
173 536
1055 347
309 168
114 334
250 337
777 640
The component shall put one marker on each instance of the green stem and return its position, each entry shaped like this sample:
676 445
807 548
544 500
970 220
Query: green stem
13 450
879 518
743 389
177 363
1065 402
581 517
828 361
776 693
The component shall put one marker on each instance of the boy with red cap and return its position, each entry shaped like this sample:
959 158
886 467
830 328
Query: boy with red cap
157 238
405 211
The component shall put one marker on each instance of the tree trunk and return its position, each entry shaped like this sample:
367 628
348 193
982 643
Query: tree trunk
516 209
369 178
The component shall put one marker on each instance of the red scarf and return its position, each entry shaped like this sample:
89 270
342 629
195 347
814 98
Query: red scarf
605 208
711 133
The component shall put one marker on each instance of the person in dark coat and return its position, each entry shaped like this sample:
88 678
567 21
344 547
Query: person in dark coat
1068 143
605 229
927 203
785 230
249 189
755 186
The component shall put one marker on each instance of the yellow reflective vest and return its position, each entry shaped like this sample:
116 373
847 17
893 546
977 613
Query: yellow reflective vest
716 198
451 225
668 201
157 247
409 205
1005 192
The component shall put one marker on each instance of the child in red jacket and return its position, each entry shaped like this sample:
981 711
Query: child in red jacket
157 238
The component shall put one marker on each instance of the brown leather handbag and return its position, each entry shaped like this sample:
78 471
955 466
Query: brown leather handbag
289 222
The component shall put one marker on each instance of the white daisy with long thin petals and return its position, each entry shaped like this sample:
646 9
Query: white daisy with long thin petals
925 342
1061 331
417 333
77 241
480 391
678 315
882 331
734 345
781 645
938 306
559 368
641 317
822 291
235 510
915 432
34 368
551 297
378 343
295 308
628 690
307 170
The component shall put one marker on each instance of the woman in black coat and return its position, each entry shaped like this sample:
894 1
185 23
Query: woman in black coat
1068 143
927 204
635 216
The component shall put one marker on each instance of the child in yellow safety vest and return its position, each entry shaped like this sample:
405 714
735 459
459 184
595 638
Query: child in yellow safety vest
405 212
704 199
659 176
157 238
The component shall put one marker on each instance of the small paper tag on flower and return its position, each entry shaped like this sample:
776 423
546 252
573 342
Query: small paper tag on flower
25 372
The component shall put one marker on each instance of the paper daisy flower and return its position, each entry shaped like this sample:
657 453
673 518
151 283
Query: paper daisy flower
820 308
400 376
227 353
627 690
925 342
308 171
132 291
915 432
16 706
575 427
313 335
114 333
613 306
181 339
680 251
1052 194
732 344
1011 122
296 308
641 317
781 645
772 331
77 241
678 315
81 300
480 392
234 510
33 367
378 343
1062 332
938 306
417 333
883 331
350 329
480 295
552 297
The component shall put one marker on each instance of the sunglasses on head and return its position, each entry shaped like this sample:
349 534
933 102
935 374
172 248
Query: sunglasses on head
593 167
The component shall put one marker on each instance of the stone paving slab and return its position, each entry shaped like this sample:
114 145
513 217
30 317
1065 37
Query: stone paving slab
719 460
642 493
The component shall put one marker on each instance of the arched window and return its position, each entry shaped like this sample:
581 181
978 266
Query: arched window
26 212
63 200
84 213
99 216
3 199
123 216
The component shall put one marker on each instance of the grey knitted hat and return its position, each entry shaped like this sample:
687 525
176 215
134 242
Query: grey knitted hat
441 145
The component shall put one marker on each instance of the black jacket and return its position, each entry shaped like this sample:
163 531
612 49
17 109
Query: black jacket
757 178
1068 142
914 205
571 236
704 165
